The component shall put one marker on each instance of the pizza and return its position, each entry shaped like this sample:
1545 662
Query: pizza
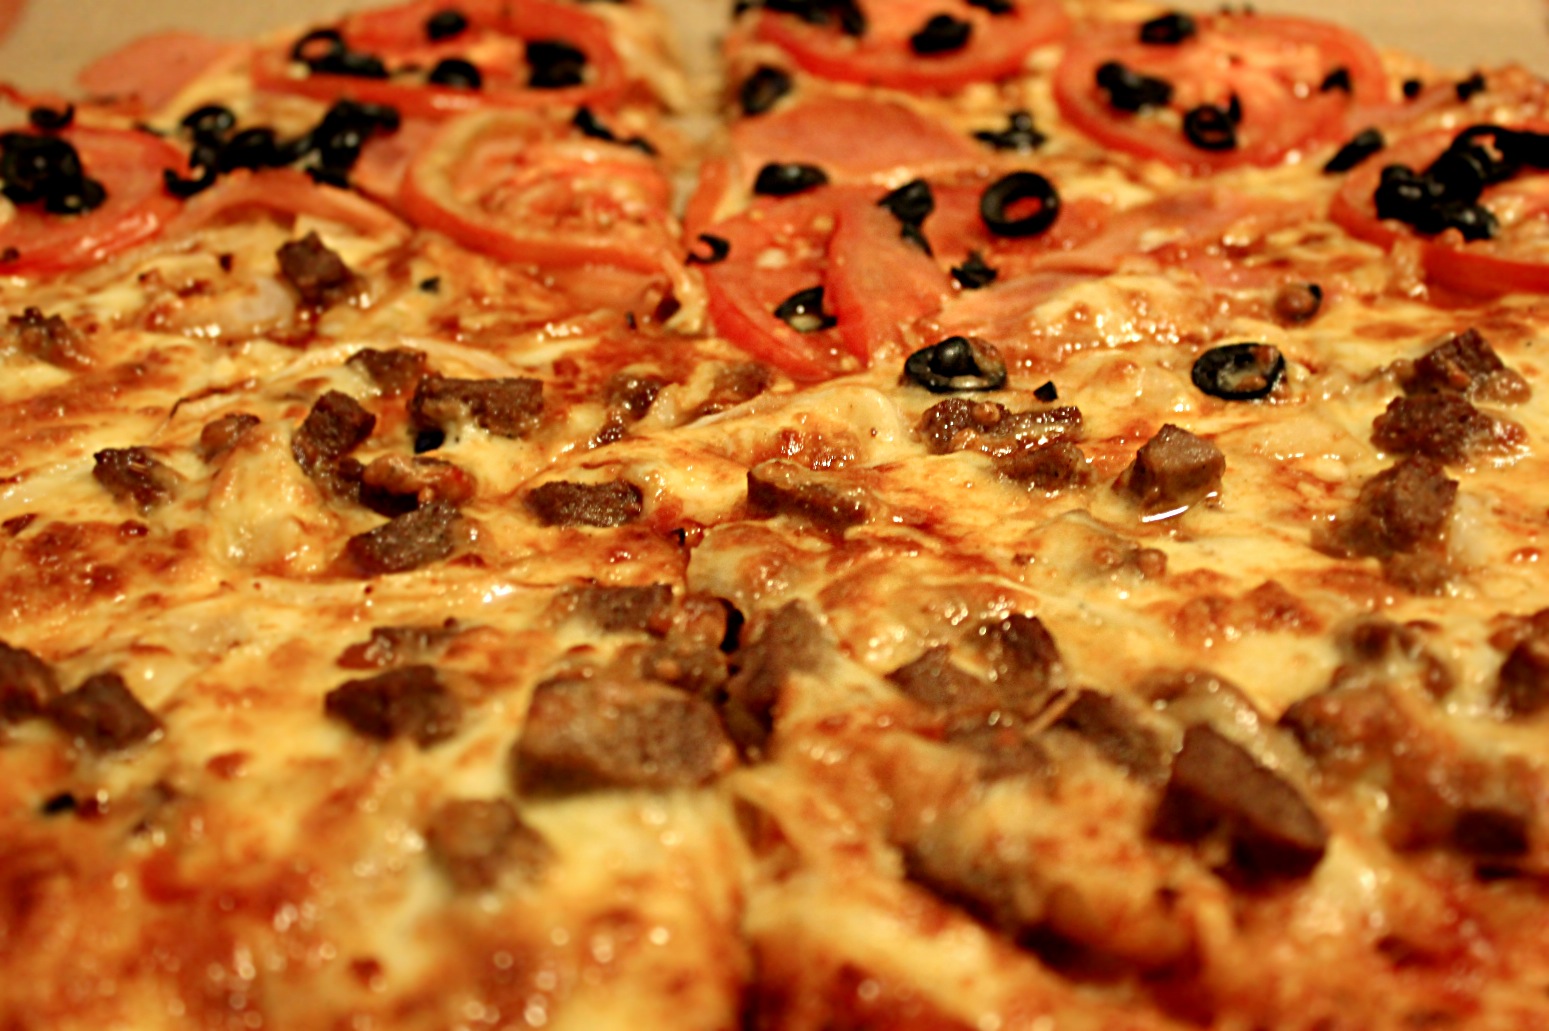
991 515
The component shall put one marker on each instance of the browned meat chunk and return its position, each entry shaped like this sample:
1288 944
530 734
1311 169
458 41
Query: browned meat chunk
335 426
427 534
48 338
1523 687
618 609
1218 788
692 651
390 645
958 424
1296 303
1058 465
418 479
1117 733
1465 364
1444 426
1173 470
1398 510
477 842
1005 747
1387 651
103 715
633 394
563 503
734 385
1023 658
319 275
409 702
936 682
782 486
395 372
27 684
586 735
504 407
790 640
134 474
221 435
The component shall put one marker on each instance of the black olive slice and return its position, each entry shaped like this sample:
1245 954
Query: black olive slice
1412 88
211 122
76 199
1468 87
1019 134
1234 110
324 50
942 34
1129 90
1002 195
1356 150
973 273
429 439
445 24
1168 29
717 248
250 148
48 119
996 7
554 64
456 73
763 89
1209 127
1048 393
911 203
1239 372
178 186
58 805
1338 79
783 180
851 20
957 363
803 311
317 45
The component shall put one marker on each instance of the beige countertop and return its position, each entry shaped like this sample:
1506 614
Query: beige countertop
51 38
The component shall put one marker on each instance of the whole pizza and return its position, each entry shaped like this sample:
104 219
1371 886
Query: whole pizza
993 515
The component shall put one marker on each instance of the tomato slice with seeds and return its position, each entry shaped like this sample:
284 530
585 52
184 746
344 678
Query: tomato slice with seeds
1516 259
997 44
136 208
1274 66
531 190
495 42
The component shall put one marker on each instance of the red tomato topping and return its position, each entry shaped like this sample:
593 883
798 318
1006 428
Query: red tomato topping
154 69
289 192
882 55
529 190
137 207
495 42
1516 259
1275 68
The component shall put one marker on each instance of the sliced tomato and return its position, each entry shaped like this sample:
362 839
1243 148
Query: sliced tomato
287 192
137 207
1275 67
531 190
495 42
154 69
1515 260
882 55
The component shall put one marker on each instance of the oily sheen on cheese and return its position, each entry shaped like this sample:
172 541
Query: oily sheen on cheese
431 600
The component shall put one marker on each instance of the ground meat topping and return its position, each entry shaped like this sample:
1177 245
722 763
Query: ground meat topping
790 640
48 338
27 684
563 503
782 486
619 609
416 480
1172 471
318 274
1022 655
1117 733
1465 364
1397 511
103 715
390 645
936 682
409 702
1443 426
1522 689
396 372
134 474
633 394
427 534
1296 303
477 842
221 435
959 424
586 735
1005 747
504 407
735 385
336 425
1057 465
1218 788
